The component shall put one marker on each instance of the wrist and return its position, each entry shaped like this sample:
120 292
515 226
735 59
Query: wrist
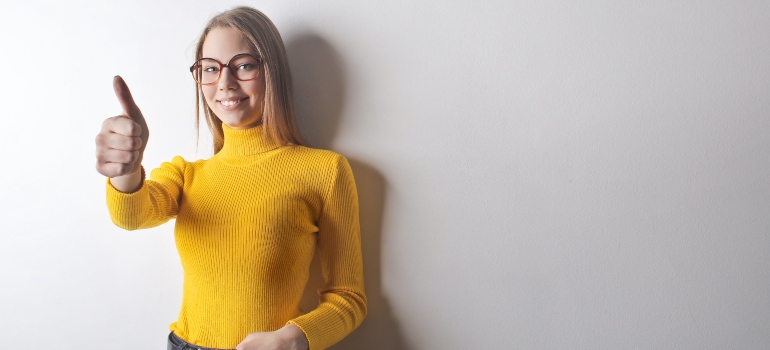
130 182
295 336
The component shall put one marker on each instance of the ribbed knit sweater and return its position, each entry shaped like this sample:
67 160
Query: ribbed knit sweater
248 221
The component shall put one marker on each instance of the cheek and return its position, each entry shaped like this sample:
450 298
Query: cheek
208 94
254 89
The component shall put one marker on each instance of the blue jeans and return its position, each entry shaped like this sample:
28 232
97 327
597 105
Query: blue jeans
176 343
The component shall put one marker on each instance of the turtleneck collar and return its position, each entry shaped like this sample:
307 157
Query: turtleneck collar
245 142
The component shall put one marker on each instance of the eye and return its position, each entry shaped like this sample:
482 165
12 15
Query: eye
210 69
246 66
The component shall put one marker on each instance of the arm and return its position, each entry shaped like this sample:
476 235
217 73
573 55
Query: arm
133 202
342 300
153 203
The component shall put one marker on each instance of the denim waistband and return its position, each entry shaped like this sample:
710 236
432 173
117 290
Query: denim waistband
177 343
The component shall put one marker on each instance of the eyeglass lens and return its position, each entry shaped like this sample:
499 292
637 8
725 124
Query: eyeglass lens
242 67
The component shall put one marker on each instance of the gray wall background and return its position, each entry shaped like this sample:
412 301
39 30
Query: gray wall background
532 174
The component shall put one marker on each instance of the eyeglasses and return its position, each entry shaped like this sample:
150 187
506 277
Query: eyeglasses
243 66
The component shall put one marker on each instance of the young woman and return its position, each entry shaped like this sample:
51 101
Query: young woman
248 219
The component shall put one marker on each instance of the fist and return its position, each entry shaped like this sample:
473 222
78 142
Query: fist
121 142
290 337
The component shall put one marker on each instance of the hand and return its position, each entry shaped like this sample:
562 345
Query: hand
121 142
290 337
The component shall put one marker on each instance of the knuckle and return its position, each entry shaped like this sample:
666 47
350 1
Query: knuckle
134 129
129 157
123 169
134 143
121 126
109 123
99 139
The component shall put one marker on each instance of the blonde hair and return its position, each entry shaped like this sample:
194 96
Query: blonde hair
262 36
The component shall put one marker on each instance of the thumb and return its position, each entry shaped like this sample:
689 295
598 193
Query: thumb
130 109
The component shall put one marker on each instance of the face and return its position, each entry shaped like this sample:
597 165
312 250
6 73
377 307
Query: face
238 104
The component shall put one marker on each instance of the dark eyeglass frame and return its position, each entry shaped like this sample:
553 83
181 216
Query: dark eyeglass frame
222 66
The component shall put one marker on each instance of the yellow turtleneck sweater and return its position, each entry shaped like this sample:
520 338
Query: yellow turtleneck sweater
247 224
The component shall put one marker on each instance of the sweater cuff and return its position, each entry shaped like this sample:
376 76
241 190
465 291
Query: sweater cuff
311 343
126 207
327 324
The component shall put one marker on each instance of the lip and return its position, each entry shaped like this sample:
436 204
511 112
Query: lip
232 98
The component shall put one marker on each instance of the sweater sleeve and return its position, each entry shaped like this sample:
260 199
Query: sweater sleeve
154 203
342 304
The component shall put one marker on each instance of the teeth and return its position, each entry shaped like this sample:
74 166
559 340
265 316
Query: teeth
229 103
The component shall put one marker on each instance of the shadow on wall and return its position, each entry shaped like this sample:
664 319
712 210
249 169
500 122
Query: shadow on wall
319 96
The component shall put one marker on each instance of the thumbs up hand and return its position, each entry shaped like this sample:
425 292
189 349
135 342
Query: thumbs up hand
121 142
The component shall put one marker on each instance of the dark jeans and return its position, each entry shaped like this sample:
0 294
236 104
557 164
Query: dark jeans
176 343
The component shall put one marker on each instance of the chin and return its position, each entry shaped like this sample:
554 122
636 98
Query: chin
239 124
239 118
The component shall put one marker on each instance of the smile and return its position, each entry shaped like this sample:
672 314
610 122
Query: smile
229 104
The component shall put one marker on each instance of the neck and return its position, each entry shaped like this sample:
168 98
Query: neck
245 142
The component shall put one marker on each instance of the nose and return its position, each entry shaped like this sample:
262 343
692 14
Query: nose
226 80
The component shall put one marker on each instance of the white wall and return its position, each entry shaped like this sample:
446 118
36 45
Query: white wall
532 175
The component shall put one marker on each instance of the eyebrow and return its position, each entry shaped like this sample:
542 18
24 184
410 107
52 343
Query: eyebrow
255 54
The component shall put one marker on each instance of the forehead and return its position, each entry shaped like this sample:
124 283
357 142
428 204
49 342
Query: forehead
223 43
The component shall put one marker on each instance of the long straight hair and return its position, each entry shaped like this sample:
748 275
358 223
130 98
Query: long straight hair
262 36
